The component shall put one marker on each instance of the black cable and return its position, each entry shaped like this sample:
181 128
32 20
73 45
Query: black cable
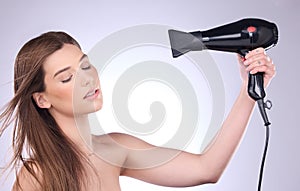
264 157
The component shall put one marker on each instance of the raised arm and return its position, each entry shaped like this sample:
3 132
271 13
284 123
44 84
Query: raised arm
187 169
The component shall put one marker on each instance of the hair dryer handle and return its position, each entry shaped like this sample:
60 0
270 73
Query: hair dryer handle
256 86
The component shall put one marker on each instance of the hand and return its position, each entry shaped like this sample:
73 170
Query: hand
257 61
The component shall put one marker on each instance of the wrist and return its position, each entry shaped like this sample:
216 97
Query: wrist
244 93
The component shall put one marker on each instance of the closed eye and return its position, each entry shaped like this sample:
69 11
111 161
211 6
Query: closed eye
67 80
86 67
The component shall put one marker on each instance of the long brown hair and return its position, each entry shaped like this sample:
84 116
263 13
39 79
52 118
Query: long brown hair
47 148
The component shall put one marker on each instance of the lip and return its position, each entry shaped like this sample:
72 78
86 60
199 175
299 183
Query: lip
92 94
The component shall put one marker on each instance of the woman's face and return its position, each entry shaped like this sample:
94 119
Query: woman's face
72 83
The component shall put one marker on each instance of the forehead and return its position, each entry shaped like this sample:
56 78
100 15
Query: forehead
67 56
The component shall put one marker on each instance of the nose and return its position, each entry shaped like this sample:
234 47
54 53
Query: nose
87 80
85 83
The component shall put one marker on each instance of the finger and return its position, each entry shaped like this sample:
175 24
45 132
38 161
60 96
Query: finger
255 52
258 69
255 57
269 70
259 62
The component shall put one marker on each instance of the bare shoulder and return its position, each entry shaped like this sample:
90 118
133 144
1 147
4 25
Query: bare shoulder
26 180
115 148
121 140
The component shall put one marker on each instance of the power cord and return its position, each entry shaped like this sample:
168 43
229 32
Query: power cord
262 108
264 157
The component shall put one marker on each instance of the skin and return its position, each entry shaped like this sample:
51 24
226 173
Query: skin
125 155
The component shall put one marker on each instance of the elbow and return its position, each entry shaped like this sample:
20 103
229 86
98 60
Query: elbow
208 179
213 177
214 172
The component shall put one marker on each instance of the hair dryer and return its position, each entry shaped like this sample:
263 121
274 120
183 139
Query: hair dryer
240 37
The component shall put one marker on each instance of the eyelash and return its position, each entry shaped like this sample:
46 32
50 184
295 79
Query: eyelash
67 80
86 67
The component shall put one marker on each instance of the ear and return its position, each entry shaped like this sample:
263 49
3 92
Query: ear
41 100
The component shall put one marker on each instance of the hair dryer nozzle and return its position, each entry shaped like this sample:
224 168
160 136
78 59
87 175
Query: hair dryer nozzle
183 42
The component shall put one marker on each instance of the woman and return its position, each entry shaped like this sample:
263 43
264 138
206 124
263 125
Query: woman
59 156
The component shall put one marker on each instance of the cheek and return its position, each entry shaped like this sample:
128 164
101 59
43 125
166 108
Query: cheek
64 92
60 96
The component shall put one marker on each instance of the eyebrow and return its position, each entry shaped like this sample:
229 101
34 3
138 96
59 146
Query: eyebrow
68 67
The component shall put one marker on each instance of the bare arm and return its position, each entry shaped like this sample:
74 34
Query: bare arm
187 169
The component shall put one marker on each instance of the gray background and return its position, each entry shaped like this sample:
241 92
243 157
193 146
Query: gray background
90 21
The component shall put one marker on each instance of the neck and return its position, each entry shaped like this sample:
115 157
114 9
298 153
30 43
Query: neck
76 128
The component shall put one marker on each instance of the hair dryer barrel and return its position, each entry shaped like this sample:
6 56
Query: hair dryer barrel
240 37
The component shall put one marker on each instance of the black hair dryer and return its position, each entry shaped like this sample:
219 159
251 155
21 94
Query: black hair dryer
239 37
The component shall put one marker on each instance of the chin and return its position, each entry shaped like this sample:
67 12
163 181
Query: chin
97 107
98 104
87 109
